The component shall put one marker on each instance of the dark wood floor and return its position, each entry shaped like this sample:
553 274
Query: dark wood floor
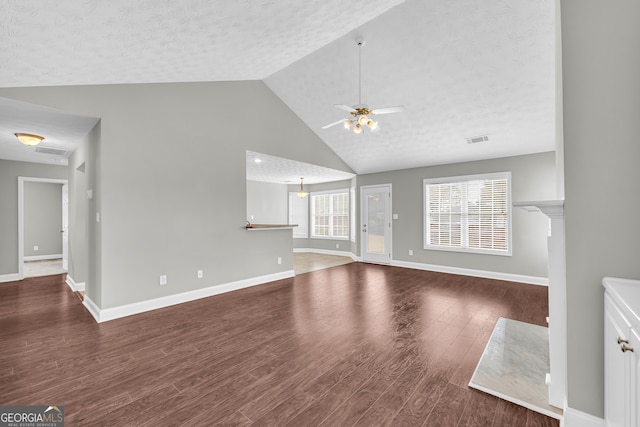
357 344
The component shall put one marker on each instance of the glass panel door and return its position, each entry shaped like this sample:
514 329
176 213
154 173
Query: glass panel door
376 224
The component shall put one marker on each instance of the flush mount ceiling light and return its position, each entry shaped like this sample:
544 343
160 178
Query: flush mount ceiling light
302 194
360 114
29 139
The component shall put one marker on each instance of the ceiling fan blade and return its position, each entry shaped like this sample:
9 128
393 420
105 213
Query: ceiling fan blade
333 124
389 110
345 108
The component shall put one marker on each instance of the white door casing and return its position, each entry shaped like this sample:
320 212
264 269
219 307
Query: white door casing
65 226
21 181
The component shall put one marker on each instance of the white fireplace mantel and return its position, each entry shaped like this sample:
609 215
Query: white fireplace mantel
554 209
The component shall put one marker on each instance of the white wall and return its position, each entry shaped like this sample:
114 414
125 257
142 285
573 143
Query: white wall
601 91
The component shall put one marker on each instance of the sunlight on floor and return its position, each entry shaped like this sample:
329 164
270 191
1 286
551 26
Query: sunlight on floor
304 262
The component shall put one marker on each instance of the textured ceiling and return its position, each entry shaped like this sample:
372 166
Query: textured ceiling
77 42
63 131
462 68
265 168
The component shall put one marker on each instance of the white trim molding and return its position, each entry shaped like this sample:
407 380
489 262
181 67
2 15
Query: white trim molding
510 277
9 277
75 287
91 306
42 257
112 313
574 418
327 252
21 181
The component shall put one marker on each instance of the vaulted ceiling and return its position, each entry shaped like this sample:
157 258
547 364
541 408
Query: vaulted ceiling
462 69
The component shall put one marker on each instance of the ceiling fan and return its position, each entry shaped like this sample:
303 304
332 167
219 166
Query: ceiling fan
360 113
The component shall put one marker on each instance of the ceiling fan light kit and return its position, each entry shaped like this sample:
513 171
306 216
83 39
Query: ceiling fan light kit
360 113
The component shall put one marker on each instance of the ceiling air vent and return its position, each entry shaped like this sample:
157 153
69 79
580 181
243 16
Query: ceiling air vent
477 139
54 151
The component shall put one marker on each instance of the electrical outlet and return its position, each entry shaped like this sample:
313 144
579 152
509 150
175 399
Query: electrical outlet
163 280
337 245
395 216
410 252
200 274
35 248
279 260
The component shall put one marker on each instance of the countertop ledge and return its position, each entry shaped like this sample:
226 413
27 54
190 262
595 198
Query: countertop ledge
270 226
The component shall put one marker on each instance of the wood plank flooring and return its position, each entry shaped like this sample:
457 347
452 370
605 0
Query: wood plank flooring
357 344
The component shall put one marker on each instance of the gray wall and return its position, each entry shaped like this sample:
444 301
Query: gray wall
171 181
84 235
323 244
42 218
533 178
601 90
267 202
9 173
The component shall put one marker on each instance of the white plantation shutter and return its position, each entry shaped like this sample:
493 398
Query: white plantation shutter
469 213
320 217
330 214
340 215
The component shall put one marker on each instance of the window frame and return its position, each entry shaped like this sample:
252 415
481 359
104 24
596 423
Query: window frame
467 178
312 222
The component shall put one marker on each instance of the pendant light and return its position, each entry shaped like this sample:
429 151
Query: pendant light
302 194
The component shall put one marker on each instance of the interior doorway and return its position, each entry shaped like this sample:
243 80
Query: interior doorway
53 258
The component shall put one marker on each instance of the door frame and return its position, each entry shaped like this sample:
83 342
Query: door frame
363 209
21 181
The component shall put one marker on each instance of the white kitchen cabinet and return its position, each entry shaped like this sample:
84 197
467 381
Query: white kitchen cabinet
622 352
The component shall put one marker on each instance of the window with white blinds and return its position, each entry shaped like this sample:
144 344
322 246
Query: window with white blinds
330 215
469 213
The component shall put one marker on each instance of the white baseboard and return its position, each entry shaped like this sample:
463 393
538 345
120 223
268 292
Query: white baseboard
75 287
9 277
326 252
92 308
104 315
42 257
533 280
575 418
